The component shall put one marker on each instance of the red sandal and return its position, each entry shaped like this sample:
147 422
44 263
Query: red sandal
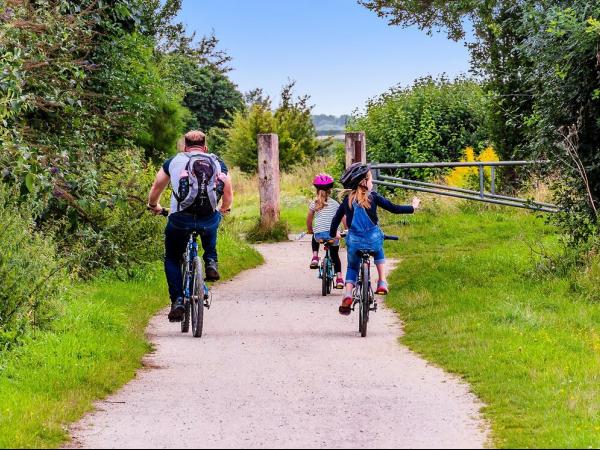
346 306
382 288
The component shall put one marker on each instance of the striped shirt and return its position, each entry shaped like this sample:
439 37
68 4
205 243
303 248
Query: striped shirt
324 217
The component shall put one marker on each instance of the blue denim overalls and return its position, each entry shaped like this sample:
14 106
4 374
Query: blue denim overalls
363 235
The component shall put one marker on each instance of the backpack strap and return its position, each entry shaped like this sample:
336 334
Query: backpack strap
187 168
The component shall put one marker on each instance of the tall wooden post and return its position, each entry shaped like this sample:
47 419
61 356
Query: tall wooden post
356 148
268 179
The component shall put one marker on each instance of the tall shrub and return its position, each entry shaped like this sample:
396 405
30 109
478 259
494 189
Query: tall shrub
32 276
433 120
563 43
291 121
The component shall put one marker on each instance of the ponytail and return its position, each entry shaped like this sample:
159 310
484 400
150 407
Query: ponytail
361 195
321 200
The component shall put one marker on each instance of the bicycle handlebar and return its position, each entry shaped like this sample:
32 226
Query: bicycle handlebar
385 237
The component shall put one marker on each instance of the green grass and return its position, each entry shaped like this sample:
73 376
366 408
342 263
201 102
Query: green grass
528 344
293 212
295 195
94 349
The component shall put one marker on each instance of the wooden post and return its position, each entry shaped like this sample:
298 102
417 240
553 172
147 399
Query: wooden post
268 179
356 148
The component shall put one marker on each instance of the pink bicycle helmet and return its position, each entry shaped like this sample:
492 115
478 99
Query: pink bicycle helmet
323 181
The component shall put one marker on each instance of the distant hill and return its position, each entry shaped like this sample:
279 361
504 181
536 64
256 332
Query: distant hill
327 125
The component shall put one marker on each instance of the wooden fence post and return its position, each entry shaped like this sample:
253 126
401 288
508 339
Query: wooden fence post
356 148
268 179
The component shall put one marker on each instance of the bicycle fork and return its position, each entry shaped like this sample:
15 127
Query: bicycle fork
358 288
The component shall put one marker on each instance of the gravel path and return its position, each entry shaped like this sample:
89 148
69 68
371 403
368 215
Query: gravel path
279 368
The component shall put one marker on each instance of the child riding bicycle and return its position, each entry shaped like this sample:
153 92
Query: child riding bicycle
359 208
318 222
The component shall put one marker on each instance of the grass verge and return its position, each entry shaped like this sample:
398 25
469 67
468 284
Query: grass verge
528 343
93 350
296 193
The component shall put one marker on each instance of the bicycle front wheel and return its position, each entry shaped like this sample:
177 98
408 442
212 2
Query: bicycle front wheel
364 299
330 276
197 299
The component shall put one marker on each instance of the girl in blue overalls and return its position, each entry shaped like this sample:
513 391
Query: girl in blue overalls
360 209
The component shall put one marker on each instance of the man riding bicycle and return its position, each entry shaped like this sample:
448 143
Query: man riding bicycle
199 180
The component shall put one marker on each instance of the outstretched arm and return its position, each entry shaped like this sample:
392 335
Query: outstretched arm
396 209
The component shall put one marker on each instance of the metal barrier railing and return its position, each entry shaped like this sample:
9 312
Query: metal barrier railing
468 194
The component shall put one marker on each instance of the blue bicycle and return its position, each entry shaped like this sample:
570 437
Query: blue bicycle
363 296
196 295
326 270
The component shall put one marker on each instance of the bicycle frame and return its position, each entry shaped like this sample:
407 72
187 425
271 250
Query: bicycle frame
326 270
190 254
365 259
327 261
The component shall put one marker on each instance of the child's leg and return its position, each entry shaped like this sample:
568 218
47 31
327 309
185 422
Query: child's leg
337 262
380 264
382 286
314 262
352 272
315 246
381 271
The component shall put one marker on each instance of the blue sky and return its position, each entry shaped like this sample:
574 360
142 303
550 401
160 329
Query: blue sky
340 53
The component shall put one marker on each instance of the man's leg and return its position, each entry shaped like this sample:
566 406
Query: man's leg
209 244
176 238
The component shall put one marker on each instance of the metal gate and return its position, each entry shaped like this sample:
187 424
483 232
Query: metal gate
482 195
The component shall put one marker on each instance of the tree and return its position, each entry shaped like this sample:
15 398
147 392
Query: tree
540 61
497 33
89 96
211 97
563 45
291 121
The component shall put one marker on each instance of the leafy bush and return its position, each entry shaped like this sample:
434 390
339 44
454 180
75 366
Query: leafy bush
241 148
114 231
291 121
32 279
433 120
562 43
468 177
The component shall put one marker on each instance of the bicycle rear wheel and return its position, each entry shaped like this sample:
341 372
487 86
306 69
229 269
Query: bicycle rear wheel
364 299
185 323
324 277
197 299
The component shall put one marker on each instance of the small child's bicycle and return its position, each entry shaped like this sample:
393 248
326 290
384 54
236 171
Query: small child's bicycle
364 298
326 269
